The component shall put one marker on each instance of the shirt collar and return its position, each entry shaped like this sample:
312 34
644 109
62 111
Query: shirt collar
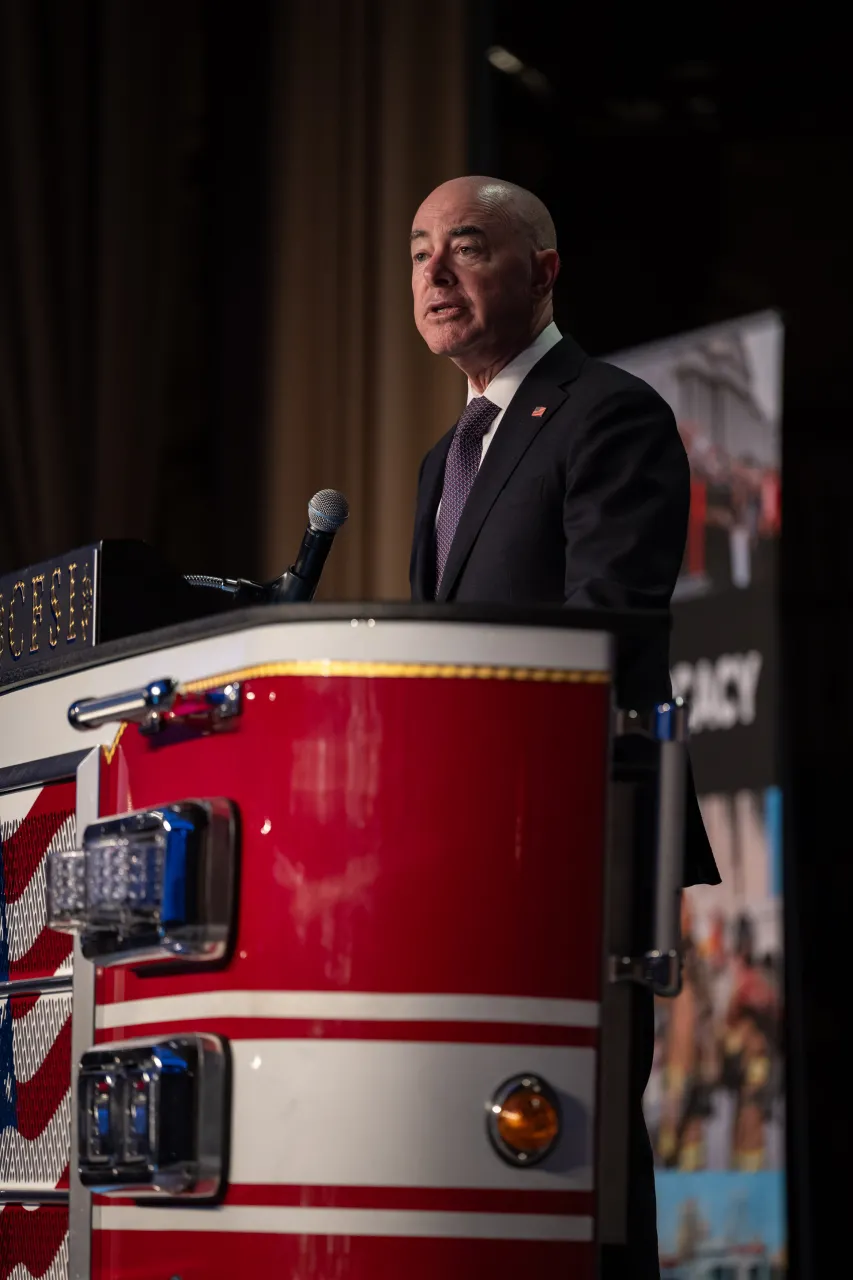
504 385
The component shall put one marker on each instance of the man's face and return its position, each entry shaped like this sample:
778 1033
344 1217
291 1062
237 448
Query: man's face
471 275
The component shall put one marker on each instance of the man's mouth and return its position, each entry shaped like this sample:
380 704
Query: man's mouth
444 308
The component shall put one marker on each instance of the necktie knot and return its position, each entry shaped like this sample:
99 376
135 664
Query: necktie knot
479 415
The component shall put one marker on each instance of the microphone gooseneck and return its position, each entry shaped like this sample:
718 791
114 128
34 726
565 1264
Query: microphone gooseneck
241 590
327 512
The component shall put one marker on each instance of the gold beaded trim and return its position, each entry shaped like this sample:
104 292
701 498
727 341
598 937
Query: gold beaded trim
388 670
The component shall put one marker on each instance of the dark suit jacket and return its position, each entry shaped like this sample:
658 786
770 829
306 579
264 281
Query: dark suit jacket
585 505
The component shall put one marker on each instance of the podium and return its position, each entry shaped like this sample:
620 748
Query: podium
320 926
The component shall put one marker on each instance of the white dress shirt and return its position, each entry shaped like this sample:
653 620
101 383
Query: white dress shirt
504 385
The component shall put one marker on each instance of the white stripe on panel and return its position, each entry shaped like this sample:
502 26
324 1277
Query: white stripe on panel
350 1006
349 1222
398 1114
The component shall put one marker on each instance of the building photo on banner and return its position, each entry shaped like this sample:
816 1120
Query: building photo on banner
715 1103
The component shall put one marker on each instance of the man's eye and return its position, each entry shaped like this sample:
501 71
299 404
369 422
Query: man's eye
467 248
419 256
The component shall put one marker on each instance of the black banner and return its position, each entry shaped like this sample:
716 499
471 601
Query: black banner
725 663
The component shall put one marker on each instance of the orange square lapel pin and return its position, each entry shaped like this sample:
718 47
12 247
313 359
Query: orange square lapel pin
538 411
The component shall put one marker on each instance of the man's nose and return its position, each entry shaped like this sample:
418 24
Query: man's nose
438 271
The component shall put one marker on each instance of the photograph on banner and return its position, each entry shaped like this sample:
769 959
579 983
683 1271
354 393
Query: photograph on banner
725 387
715 1100
715 1103
731 1228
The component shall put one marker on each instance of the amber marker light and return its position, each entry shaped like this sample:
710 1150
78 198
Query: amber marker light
523 1120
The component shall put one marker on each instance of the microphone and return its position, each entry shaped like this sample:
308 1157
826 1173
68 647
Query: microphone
327 512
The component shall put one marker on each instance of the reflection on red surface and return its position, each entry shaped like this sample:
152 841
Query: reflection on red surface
400 835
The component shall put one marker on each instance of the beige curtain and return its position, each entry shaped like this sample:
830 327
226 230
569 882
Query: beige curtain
370 114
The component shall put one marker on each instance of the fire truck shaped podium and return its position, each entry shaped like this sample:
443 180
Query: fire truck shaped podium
313 927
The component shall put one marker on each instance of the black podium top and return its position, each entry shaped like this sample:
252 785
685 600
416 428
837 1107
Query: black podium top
120 599
639 625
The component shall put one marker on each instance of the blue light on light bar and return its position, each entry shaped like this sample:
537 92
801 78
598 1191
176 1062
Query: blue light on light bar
152 1117
155 884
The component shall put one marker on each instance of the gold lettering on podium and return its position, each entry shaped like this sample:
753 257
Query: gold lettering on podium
55 608
88 595
2 624
72 621
19 588
38 610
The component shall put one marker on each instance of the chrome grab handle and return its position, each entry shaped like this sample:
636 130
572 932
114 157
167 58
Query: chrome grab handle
159 705
137 706
660 967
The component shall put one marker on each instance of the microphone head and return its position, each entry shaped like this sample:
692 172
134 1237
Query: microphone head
327 511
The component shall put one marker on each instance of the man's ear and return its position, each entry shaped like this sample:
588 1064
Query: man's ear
546 268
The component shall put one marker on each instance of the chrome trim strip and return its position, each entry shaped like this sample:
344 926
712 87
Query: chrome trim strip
51 1196
82 1035
35 986
37 773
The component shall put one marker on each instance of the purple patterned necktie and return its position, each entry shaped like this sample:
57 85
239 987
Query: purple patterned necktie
460 472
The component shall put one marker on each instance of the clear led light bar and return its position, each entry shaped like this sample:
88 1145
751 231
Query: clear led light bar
151 1117
155 884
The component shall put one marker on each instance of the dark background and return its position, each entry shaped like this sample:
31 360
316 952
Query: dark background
697 164
134 194
698 169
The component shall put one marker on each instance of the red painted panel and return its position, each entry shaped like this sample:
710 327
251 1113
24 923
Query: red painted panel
400 835
423 1199
198 1255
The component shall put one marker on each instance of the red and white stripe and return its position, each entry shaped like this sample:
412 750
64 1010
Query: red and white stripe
354 1006
375 1135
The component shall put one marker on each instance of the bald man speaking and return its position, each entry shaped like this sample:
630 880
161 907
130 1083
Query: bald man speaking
564 482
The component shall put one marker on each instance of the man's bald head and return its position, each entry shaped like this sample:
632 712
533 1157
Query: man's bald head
518 205
484 262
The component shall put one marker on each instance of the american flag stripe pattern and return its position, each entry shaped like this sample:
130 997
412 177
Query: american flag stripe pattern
33 1242
35 1035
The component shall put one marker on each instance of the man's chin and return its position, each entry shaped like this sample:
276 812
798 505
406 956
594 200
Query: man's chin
448 340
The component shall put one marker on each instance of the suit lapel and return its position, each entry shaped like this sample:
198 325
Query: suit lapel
429 495
544 388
